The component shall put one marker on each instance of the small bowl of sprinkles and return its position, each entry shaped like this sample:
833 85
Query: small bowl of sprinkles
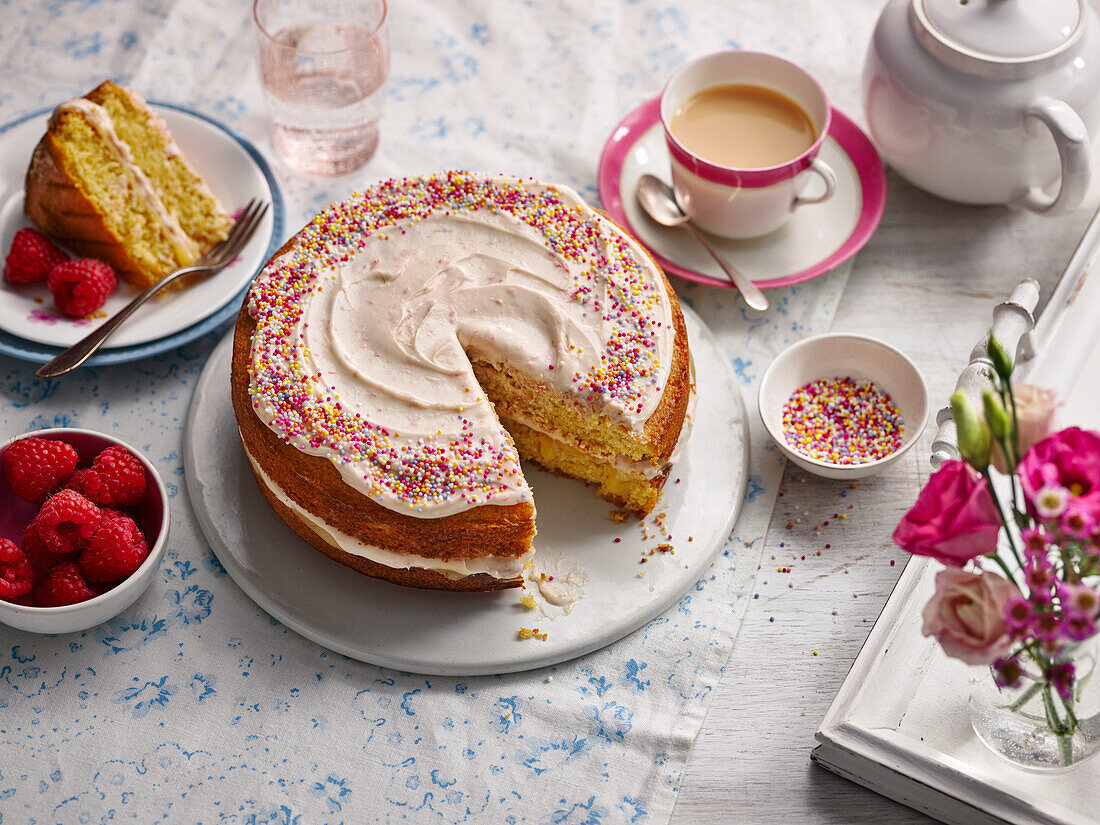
842 405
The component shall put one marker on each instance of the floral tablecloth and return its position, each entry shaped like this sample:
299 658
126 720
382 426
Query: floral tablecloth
194 705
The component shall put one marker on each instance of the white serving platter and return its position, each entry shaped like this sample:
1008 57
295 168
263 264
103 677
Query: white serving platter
232 168
900 723
476 633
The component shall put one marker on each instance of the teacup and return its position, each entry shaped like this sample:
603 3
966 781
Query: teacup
731 200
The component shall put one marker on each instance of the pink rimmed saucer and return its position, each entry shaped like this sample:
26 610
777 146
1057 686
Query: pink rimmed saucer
816 239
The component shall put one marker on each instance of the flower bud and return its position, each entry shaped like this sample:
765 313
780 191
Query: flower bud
974 439
1002 364
995 416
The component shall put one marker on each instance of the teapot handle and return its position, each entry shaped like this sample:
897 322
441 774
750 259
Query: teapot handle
1072 139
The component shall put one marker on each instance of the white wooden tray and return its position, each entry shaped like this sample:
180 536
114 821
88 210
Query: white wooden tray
900 724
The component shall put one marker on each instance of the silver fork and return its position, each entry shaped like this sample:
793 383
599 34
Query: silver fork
212 262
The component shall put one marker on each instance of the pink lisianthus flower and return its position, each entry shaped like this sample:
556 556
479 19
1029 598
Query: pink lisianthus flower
954 518
1035 407
1069 458
966 615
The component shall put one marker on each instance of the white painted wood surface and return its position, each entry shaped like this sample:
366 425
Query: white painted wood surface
927 283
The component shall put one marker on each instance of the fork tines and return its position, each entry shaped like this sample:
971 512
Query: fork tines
239 235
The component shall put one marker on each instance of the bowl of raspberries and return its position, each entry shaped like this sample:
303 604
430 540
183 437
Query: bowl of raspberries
83 526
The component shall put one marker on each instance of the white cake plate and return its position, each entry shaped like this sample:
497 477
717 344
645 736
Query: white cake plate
471 634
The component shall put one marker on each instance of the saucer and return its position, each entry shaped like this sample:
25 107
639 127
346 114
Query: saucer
32 329
816 239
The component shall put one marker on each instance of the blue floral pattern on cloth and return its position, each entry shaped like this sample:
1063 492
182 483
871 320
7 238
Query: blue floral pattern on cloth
194 705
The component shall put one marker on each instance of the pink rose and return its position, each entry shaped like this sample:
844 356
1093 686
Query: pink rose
1069 458
1035 408
954 519
966 615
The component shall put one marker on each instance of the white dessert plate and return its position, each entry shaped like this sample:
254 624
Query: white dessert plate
233 169
815 240
470 634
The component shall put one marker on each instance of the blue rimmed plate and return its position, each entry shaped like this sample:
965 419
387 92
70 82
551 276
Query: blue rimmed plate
31 329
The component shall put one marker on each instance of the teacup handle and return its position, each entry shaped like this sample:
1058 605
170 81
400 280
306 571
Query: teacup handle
1072 139
827 175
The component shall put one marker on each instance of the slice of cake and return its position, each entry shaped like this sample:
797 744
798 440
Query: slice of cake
402 353
108 182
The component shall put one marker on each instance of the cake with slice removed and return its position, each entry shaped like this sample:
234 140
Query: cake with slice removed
108 181
399 355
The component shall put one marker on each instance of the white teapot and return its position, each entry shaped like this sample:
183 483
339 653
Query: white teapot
963 98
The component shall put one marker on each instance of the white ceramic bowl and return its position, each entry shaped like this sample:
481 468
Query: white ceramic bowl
839 355
152 517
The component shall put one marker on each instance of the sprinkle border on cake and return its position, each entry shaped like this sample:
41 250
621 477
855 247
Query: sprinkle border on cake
302 408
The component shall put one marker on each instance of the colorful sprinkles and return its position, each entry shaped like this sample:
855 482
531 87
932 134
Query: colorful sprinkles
842 421
305 410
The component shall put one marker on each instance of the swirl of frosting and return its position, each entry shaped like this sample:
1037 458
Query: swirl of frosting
366 327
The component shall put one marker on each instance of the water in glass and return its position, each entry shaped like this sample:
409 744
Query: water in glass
324 84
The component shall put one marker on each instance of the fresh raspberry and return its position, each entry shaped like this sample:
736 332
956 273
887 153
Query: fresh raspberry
81 287
32 258
116 550
16 573
76 482
41 559
66 522
35 467
62 585
115 479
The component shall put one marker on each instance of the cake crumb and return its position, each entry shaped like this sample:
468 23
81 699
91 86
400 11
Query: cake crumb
528 601
618 516
530 633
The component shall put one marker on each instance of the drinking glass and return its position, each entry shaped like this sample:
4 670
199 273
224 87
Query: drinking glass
323 66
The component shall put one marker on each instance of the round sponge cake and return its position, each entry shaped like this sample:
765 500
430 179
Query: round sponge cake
397 358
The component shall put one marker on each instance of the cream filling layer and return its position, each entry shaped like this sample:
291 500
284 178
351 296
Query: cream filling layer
499 567
186 249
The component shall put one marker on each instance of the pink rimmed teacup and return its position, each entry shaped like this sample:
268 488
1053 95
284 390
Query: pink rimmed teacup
745 202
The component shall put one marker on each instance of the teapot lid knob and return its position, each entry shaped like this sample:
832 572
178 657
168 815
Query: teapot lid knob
981 35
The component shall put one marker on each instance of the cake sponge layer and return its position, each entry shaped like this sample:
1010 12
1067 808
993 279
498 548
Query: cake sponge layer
184 193
631 491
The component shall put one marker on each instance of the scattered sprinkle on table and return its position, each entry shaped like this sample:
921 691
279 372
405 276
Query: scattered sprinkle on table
843 421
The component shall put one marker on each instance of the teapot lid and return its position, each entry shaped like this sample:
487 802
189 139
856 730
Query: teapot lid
981 36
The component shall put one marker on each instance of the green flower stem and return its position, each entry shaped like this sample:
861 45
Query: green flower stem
1071 718
1026 696
1015 421
1001 563
1054 722
1038 658
1008 532
1065 751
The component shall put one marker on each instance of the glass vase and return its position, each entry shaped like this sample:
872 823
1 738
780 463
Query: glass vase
1016 723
